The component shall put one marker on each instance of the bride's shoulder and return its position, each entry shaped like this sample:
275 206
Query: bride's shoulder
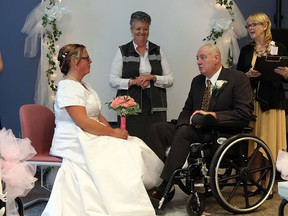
68 83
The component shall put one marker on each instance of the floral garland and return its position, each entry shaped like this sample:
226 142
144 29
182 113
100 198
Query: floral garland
52 35
228 5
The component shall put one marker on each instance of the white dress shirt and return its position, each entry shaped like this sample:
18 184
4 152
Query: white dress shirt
115 77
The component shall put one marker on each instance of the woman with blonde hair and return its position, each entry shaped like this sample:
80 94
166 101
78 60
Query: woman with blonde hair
270 102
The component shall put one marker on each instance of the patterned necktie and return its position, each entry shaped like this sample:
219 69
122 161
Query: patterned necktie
206 96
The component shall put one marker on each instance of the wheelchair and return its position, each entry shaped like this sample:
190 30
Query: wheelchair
229 153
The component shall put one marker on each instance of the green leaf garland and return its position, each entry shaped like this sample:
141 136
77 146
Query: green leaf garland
51 37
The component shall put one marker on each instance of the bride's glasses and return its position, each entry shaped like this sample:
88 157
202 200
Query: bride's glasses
87 58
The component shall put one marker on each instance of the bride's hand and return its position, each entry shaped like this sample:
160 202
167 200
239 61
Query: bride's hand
120 133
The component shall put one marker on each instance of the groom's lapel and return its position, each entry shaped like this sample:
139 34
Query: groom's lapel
213 99
212 103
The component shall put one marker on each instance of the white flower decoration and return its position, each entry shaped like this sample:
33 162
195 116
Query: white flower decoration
55 12
218 87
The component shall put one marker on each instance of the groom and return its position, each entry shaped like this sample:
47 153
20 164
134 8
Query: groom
231 99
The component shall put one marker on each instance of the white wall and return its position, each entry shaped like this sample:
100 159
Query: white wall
178 26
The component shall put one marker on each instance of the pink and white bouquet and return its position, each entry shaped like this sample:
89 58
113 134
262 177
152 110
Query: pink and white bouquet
124 105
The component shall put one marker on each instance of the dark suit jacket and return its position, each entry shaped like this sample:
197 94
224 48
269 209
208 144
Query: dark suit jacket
270 94
235 102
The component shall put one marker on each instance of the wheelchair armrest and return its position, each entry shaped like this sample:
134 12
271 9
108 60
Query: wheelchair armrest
174 121
210 121
204 120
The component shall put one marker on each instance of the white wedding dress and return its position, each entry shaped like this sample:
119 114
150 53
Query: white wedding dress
100 175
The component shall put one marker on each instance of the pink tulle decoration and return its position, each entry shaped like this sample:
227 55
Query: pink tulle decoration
16 173
281 164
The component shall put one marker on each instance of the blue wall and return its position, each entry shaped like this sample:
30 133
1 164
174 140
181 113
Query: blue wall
17 82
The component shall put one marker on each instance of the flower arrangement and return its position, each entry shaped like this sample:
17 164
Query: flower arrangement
124 105
218 87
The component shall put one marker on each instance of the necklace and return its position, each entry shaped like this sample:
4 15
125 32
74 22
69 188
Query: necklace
73 78
76 80
262 52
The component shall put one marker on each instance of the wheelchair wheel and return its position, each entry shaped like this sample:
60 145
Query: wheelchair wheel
195 204
237 155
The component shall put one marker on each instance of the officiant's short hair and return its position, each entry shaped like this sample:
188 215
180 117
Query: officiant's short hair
140 16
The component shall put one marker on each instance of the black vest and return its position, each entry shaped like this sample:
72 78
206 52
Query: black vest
131 64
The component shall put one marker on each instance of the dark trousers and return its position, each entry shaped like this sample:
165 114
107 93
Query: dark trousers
163 135
139 125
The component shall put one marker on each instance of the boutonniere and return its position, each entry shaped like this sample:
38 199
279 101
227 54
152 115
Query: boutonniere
218 87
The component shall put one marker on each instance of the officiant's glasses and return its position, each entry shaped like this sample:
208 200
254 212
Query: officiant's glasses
254 24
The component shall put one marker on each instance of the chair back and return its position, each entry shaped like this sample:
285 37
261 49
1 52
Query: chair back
37 124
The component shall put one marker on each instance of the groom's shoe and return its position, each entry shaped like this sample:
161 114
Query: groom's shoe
155 193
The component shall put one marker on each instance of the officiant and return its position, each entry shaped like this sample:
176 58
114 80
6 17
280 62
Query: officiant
270 101
141 70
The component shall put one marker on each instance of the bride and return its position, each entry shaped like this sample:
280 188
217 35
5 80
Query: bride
104 170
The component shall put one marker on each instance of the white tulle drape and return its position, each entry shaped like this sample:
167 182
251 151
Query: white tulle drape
15 172
34 29
232 30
